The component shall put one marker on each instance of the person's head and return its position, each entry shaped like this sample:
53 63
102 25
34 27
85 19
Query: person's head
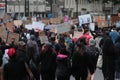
92 42
46 47
63 50
21 45
81 48
32 37
86 31
12 53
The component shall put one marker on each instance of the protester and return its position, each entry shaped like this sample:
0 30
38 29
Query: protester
32 50
47 60
14 69
87 36
93 52
81 63
108 66
63 65
117 62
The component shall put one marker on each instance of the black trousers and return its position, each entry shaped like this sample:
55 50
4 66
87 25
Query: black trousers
48 76
63 78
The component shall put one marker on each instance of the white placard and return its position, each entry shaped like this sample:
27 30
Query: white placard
29 27
83 19
43 39
17 22
92 26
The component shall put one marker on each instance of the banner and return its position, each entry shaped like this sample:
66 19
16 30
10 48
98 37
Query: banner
38 25
35 25
83 19
62 28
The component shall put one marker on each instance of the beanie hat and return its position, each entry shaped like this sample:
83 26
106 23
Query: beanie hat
92 42
11 52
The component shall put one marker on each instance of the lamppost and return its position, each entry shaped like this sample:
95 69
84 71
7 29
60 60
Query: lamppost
26 7
5 6
51 3
76 8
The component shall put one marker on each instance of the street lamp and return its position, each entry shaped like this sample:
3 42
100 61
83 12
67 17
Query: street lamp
5 6
26 7
76 8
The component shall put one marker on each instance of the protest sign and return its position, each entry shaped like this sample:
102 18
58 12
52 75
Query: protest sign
38 25
17 22
103 24
45 21
27 22
41 33
83 19
55 20
92 26
9 25
62 28
66 18
43 39
53 30
77 34
12 36
34 19
7 17
75 21
3 32
29 26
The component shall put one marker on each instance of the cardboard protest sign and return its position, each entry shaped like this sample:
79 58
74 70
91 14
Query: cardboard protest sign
45 21
55 20
43 39
77 34
53 30
103 24
9 25
27 22
3 33
12 36
17 22
62 28
83 19
41 33
7 17
75 21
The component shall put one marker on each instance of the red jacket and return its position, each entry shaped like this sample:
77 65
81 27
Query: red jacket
87 37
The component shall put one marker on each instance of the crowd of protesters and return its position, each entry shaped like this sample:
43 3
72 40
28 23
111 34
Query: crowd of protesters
29 59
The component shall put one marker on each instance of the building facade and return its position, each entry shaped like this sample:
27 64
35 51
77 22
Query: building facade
59 7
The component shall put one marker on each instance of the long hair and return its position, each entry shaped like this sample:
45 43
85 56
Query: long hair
81 48
108 47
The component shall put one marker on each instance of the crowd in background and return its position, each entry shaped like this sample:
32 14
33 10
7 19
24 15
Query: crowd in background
29 59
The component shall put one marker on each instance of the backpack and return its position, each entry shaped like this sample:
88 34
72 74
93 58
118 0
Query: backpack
93 51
